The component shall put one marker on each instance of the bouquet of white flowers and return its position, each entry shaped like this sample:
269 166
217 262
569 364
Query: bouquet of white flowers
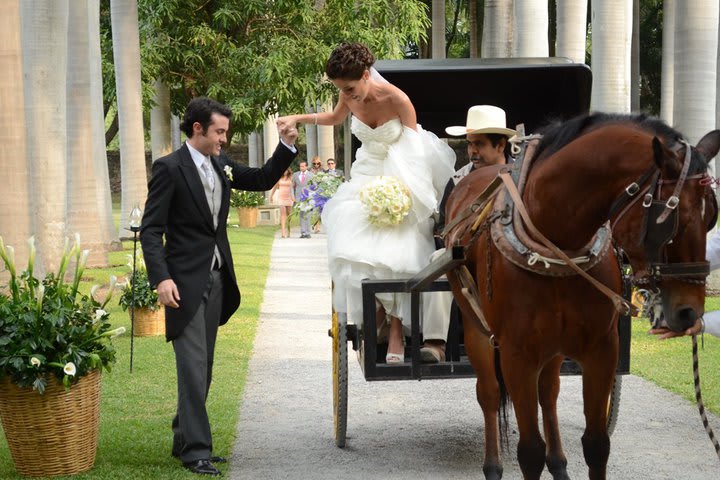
386 200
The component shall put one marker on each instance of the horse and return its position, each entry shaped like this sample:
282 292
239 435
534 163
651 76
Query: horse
633 178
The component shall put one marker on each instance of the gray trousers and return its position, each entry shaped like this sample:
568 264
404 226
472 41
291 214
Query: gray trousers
304 223
194 352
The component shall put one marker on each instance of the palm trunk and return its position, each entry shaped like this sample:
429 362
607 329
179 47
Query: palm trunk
497 39
44 46
438 29
530 35
160 137
611 41
126 50
571 29
83 214
15 218
667 78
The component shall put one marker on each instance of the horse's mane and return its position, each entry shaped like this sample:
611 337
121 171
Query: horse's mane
558 134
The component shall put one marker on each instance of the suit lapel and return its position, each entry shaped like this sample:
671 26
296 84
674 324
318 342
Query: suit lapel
192 177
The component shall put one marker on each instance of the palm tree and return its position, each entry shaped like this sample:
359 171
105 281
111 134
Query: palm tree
126 52
667 78
473 27
696 42
160 137
571 29
611 39
99 152
83 214
326 136
44 48
438 29
497 36
530 34
15 219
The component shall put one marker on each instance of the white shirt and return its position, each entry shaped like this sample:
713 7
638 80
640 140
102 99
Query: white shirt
712 255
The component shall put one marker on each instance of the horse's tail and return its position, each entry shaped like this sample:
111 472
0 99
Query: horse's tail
503 406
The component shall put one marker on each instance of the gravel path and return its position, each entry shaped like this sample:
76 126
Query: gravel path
415 430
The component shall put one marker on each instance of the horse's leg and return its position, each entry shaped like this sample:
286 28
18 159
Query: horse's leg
598 375
481 355
549 388
521 377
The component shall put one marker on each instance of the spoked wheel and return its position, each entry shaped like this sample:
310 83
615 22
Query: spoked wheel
613 406
340 376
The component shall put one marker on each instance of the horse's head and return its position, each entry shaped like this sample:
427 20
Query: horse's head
664 232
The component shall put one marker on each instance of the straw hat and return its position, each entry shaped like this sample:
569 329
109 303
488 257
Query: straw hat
483 119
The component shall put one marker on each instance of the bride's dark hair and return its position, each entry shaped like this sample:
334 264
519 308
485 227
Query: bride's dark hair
349 61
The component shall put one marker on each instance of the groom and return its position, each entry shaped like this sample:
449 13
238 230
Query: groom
187 205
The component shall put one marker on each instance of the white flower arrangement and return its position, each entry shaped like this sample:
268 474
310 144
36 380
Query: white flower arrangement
386 201
228 172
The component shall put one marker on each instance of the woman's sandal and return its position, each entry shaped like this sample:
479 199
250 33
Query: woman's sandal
392 358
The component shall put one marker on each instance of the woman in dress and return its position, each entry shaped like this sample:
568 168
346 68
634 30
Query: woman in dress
285 199
393 145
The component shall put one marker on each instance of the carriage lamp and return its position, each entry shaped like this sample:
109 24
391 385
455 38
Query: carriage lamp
134 226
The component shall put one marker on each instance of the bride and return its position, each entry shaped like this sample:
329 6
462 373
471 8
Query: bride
393 145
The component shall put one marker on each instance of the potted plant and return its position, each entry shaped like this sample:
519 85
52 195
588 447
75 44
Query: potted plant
54 342
246 203
148 317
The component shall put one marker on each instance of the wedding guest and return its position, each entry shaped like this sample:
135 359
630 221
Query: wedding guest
285 198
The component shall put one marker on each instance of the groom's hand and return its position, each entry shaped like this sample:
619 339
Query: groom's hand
288 133
168 293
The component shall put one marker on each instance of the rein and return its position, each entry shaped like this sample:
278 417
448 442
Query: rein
621 305
698 397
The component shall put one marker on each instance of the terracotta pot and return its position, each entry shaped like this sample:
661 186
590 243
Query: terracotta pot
55 433
247 217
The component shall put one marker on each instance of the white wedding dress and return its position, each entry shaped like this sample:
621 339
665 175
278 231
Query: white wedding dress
356 248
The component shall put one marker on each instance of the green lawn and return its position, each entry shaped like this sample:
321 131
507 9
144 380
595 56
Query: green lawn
137 407
669 363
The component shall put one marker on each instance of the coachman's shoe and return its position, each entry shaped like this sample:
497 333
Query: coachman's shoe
432 351
203 467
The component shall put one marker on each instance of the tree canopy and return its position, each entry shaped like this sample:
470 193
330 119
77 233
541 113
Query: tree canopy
262 57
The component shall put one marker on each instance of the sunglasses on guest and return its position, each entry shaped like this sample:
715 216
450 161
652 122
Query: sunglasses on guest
316 164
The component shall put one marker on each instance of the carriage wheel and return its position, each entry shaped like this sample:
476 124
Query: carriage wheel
340 376
613 406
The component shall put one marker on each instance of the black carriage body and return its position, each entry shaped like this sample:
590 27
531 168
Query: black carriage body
532 92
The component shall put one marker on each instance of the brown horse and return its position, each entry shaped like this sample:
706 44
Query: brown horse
585 172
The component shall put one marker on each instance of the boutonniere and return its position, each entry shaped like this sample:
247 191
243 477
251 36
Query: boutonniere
228 172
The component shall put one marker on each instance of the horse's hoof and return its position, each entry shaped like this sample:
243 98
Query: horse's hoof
493 472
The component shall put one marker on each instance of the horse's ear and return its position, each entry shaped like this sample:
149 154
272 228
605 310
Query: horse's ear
709 145
664 158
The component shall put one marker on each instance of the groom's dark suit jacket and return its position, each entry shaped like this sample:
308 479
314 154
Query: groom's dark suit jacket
177 209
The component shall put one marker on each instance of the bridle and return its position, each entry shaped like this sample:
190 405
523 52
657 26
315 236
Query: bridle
660 224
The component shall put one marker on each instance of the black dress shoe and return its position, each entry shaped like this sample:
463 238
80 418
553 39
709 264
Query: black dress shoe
202 467
212 459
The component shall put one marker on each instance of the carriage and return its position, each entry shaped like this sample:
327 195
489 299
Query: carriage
532 92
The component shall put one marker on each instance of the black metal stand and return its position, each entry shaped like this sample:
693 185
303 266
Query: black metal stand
135 231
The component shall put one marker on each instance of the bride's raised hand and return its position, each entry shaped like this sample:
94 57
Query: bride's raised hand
286 121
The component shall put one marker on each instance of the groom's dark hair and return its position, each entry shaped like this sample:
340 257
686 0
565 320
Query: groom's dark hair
200 110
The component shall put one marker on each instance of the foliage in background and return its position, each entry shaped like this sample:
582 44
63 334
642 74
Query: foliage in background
144 296
244 198
49 328
263 57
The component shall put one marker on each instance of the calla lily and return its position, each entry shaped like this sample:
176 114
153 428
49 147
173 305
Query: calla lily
35 362
31 256
40 296
111 289
70 369
99 314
